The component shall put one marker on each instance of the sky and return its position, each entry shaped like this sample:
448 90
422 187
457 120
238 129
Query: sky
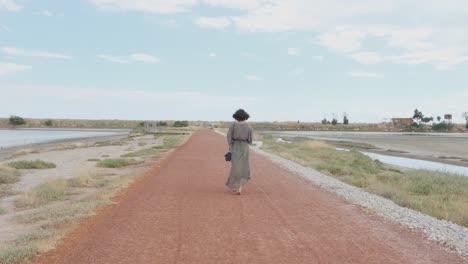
202 59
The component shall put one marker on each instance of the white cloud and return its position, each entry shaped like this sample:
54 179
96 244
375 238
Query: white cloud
7 68
17 52
138 57
237 4
293 52
213 22
342 40
111 58
365 74
212 54
9 5
141 57
410 46
367 57
251 77
149 6
45 13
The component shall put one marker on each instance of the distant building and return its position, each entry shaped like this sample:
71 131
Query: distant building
402 121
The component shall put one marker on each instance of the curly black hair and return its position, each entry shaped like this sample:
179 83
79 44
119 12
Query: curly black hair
241 115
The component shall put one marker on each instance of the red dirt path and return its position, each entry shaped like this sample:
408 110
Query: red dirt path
181 213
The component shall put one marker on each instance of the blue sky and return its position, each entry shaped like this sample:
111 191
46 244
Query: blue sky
203 59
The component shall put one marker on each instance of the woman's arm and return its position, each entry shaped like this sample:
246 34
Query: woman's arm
250 137
229 136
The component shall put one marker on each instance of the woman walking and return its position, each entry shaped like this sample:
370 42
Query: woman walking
239 138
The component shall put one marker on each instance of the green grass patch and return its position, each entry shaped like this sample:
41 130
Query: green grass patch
441 195
116 163
107 143
148 152
349 144
31 164
2 211
50 191
18 254
8 175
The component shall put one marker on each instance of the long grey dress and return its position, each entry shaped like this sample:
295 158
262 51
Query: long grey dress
239 138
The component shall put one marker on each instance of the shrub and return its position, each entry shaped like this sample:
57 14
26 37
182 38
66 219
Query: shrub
8 175
116 163
181 124
413 126
334 122
48 123
88 179
324 121
17 121
441 127
54 190
162 123
31 164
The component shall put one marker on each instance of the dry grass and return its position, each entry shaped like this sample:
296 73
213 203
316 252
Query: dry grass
316 144
22 152
88 179
47 192
169 142
8 175
17 254
55 207
440 195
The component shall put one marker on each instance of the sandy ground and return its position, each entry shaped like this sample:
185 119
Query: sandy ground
182 213
447 148
69 163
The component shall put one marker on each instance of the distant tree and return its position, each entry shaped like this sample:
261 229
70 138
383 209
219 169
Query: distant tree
439 118
48 123
334 121
345 119
162 123
465 115
325 121
418 115
17 121
427 119
181 124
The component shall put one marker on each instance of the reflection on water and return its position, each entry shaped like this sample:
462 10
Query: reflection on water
18 137
416 164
